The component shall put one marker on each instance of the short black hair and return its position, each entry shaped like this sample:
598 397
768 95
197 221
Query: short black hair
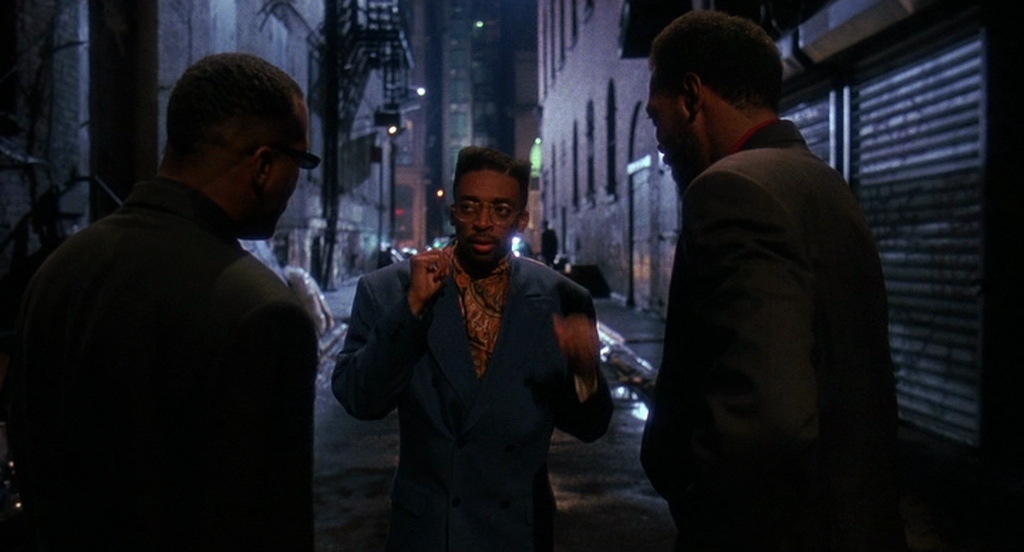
732 55
477 158
225 96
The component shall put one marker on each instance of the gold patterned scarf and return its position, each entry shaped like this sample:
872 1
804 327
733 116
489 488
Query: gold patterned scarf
482 301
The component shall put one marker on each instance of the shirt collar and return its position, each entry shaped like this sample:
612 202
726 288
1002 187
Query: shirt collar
750 132
174 197
503 268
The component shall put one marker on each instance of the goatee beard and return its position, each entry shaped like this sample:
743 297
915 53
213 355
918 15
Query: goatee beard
683 178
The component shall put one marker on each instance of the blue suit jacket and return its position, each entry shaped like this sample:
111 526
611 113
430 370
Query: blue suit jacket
472 463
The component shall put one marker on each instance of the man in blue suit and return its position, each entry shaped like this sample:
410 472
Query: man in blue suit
483 354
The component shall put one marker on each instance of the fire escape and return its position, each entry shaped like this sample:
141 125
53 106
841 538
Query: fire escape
359 37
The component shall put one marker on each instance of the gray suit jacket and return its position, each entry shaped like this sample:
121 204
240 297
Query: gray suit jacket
164 388
472 467
774 420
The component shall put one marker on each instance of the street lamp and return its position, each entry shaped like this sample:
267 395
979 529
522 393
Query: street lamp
393 132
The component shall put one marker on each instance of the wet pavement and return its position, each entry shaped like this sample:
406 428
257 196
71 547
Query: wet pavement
954 500
354 462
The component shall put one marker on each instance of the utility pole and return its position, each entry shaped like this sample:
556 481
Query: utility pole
392 154
329 191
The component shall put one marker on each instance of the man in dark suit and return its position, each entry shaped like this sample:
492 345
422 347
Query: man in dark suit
548 244
163 389
774 422
483 353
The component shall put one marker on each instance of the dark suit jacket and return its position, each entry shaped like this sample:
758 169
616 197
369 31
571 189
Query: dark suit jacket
774 419
164 388
471 471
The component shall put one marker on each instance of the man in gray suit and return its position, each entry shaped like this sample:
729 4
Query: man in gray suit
773 425
163 391
483 354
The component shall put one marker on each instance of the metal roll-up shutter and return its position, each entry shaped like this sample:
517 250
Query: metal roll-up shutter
815 119
916 165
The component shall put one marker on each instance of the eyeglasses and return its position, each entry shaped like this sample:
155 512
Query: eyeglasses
468 210
305 159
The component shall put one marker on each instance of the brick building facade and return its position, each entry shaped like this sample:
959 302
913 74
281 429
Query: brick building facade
83 89
604 190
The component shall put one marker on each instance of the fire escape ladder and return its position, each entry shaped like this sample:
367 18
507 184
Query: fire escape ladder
365 35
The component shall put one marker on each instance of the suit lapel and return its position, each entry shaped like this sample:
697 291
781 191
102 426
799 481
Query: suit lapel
449 344
520 320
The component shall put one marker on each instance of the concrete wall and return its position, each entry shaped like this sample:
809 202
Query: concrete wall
43 141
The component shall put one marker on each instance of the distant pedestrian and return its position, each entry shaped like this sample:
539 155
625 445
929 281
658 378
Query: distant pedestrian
773 426
385 256
548 244
163 390
483 353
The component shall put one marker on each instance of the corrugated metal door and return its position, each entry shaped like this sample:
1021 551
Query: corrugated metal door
916 165
815 116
